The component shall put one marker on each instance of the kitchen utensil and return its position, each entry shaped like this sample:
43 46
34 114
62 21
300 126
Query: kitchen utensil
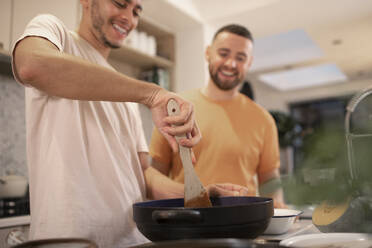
58 243
16 239
334 240
350 215
195 193
210 243
230 217
282 220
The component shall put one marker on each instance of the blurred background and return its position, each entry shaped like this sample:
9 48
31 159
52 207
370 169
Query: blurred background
310 58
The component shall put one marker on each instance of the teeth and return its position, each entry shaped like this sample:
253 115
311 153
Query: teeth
121 30
226 73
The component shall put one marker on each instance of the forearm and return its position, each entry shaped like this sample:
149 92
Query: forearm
67 76
270 186
161 187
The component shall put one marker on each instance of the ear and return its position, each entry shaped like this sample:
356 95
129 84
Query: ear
84 3
207 53
250 61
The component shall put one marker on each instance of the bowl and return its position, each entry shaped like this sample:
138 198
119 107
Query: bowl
282 220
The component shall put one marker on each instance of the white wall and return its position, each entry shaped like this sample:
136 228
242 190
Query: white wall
5 23
190 62
24 11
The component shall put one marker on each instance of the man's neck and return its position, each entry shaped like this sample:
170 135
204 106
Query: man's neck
88 35
215 93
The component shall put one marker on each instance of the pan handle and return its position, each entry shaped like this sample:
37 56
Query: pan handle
177 216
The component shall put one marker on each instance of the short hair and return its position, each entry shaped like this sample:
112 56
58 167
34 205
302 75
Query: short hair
247 90
235 29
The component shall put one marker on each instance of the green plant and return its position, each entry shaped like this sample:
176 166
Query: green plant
288 128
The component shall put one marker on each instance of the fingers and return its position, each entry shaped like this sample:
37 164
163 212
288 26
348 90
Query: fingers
193 158
183 124
227 189
279 204
193 138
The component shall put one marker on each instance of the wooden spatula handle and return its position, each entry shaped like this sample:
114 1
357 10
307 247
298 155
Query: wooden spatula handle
195 193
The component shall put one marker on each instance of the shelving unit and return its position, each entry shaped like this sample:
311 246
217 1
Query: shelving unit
140 59
133 61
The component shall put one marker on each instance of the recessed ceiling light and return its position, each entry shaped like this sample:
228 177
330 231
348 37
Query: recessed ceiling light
283 49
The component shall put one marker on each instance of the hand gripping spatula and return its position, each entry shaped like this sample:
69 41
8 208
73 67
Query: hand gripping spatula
195 193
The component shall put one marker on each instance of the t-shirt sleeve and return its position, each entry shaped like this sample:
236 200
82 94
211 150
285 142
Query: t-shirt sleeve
270 157
46 26
160 149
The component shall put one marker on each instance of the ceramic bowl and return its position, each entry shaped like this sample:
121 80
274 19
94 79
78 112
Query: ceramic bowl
282 221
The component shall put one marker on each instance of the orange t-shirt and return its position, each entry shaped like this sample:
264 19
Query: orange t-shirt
239 141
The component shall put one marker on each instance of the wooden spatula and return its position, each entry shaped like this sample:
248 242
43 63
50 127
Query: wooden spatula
195 193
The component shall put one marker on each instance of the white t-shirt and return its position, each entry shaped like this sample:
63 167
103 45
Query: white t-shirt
84 171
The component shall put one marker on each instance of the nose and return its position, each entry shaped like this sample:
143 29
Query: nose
126 17
231 63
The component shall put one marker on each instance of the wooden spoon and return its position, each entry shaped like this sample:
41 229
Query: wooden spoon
195 193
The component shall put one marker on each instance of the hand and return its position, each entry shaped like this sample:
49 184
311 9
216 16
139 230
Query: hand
226 189
184 124
279 204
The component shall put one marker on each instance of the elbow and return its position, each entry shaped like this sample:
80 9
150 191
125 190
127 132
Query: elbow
28 69
26 73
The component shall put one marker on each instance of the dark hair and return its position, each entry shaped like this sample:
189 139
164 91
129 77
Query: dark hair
235 29
247 90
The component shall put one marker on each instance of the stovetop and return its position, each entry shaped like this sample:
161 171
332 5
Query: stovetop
11 207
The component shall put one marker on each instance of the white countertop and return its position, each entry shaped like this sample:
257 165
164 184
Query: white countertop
15 221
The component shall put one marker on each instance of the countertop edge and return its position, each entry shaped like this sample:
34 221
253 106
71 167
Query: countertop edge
15 221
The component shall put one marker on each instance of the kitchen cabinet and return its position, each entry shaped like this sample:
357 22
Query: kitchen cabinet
5 25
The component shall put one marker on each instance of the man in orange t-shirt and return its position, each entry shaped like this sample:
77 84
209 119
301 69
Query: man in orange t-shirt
240 141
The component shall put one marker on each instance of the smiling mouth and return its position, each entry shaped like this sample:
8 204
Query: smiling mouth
228 73
121 30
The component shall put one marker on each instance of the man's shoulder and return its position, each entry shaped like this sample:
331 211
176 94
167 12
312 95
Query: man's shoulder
47 19
255 108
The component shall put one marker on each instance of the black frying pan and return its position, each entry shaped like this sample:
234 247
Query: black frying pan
230 217
58 243
211 243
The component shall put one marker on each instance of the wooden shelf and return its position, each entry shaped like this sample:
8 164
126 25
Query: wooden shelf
135 57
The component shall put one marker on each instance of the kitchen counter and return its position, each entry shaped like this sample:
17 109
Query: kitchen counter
15 221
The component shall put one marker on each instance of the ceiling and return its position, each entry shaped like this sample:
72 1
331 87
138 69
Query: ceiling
334 32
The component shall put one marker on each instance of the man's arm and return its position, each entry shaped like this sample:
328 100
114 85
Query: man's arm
159 186
40 64
161 167
270 186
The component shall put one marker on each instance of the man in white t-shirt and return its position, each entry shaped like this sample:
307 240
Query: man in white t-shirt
86 151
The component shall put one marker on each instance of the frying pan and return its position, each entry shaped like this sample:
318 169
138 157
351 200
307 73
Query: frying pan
211 243
58 243
230 217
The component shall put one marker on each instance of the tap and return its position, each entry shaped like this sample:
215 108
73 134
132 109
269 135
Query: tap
350 108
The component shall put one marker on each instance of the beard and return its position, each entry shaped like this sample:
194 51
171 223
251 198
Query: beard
98 22
223 85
